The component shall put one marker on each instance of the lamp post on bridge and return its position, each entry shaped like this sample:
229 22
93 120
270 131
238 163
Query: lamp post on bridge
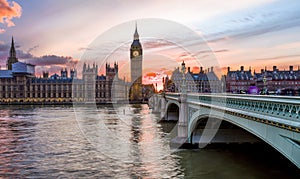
265 84
183 112
183 85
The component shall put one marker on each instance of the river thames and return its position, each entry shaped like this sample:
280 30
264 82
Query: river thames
118 142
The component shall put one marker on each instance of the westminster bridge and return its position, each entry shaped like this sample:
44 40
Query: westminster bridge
272 119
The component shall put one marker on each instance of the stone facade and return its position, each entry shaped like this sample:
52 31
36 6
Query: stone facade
275 81
206 81
23 87
239 81
18 84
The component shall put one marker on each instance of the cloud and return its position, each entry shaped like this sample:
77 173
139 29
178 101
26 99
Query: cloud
50 63
151 74
221 51
49 60
8 11
200 54
279 57
268 18
4 50
157 43
195 69
32 48
4 47
2 31
50 69
84 48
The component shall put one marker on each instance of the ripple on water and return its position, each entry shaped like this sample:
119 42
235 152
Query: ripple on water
54 142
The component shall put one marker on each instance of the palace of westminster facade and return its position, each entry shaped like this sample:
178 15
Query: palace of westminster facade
18 84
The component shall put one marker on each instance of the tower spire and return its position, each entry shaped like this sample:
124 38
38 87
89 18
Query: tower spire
12 52
12 55
136 34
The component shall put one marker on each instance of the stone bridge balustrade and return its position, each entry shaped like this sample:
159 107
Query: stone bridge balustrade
273 119
278 106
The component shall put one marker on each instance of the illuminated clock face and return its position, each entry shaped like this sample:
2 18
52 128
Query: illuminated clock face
135 53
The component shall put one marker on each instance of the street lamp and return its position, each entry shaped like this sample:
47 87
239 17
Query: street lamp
222 84
183 86
202 85
265 84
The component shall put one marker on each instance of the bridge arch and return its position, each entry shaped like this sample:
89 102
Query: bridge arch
280 142
172 111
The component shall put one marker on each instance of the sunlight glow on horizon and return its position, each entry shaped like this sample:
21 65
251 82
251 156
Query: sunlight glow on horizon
254 33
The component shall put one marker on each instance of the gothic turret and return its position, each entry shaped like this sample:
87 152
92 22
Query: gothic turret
12 52
136 34
73 73
12 55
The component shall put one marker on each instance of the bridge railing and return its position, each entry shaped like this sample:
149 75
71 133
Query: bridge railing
284 107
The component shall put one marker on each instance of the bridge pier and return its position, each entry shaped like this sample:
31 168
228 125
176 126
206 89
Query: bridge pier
163 108
183 117
156 100
182 127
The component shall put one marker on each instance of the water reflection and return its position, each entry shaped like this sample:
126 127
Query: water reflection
16 134
121 142
129 136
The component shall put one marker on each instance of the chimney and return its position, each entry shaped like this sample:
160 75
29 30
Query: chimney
189 69
201 69
262 70
274 68
242 68
212 69
291 68
228 69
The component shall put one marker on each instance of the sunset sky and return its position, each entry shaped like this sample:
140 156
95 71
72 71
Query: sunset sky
53 33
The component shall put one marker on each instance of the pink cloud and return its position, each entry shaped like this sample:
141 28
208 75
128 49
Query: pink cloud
8 11
48 60
2 30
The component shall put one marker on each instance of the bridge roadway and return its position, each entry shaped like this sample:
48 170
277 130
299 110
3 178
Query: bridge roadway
273 119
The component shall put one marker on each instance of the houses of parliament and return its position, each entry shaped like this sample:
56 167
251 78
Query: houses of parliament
18 83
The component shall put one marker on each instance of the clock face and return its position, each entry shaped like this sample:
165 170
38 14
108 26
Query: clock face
135 53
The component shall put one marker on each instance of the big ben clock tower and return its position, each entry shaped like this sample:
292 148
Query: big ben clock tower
136 66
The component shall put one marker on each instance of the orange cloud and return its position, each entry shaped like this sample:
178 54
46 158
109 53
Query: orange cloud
151 74
196 70
8 11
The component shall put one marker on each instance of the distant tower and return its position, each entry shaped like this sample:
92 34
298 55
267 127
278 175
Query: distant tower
73 73
64 73
136 64
136 58
12 55
111 72
45 74
89 76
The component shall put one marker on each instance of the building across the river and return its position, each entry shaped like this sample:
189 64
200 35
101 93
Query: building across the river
275 81
204 81
18 84
238 81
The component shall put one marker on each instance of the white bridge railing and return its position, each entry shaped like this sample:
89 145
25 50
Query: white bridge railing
284 107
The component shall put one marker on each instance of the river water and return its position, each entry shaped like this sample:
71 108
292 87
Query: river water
118 142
